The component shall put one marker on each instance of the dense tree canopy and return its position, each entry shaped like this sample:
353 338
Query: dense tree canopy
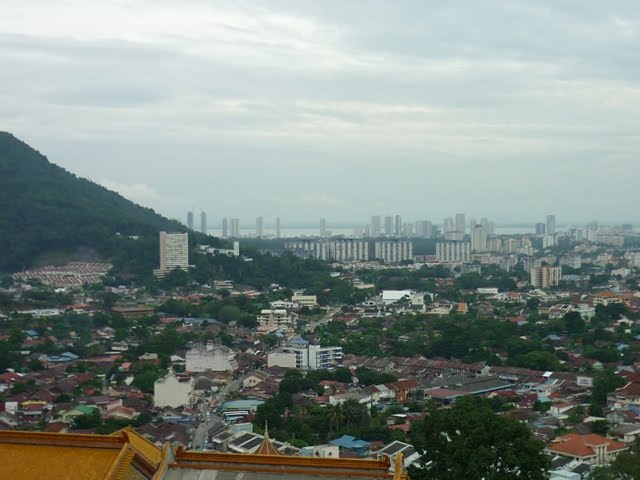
469 441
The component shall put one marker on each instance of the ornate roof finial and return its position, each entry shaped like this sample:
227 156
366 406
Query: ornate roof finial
267 448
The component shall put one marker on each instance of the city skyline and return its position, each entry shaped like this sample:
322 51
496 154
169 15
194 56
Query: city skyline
412 105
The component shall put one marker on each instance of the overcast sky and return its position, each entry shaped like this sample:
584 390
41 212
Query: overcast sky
342 109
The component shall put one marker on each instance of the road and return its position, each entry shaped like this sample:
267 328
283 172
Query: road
324 320
199 435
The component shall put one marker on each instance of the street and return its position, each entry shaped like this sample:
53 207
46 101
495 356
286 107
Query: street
199 435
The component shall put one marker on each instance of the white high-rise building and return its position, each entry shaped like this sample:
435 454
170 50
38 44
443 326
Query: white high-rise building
551 224
348 250
277 227
375 228
388 226
424 228
259 230
453 252
460 223
448 225
174 252
489 226
545 277
203 222
225 228
397 228
478 239
323 227
235 228
548 241
393 251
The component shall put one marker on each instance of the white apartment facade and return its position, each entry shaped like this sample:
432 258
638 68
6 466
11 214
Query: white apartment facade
545 277
393 251
453 252
310 357
347 250
174 252
478 239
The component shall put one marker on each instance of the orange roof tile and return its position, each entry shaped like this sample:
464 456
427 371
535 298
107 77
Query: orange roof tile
576 445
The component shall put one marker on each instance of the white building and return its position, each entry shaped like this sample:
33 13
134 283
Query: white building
548 241
478 239
173 391
460 223
545 277
347 250
453 252
271 320
311 357
217 358
310 301
235 228
551 224
174 252
393 251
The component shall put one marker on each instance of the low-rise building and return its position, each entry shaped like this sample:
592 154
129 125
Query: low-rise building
310 301
592 449
217 358
173 391
271 320
304 356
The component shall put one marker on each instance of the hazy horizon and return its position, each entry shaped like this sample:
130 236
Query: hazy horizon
344 110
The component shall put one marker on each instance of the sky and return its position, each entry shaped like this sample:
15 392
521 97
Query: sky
340 109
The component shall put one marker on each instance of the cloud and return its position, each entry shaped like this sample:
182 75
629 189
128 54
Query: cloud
344 106
140 193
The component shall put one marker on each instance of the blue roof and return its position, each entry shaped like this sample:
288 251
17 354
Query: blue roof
31 333
349 442
299 341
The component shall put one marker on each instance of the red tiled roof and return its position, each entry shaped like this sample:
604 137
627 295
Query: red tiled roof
582 445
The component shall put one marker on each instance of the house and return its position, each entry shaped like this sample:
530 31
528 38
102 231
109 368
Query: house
173 391
254 378
409 454
592 449
626 433
217 358
347 443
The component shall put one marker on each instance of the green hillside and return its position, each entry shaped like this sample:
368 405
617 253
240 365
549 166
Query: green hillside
46 210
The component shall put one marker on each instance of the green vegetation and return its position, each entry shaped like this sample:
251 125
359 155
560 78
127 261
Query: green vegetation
44 209
313 424
471 441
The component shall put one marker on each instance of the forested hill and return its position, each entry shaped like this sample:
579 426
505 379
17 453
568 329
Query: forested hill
44 208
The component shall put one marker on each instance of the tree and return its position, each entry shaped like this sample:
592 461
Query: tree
605 383
469 441
600 427
574 322
229 313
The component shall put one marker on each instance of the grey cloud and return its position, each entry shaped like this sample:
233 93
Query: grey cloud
333 108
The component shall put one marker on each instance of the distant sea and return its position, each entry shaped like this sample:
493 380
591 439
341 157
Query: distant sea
297 232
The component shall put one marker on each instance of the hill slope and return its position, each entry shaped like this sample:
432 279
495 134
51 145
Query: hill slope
44 208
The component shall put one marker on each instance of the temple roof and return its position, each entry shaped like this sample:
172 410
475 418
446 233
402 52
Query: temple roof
53 456
128 455
266 447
